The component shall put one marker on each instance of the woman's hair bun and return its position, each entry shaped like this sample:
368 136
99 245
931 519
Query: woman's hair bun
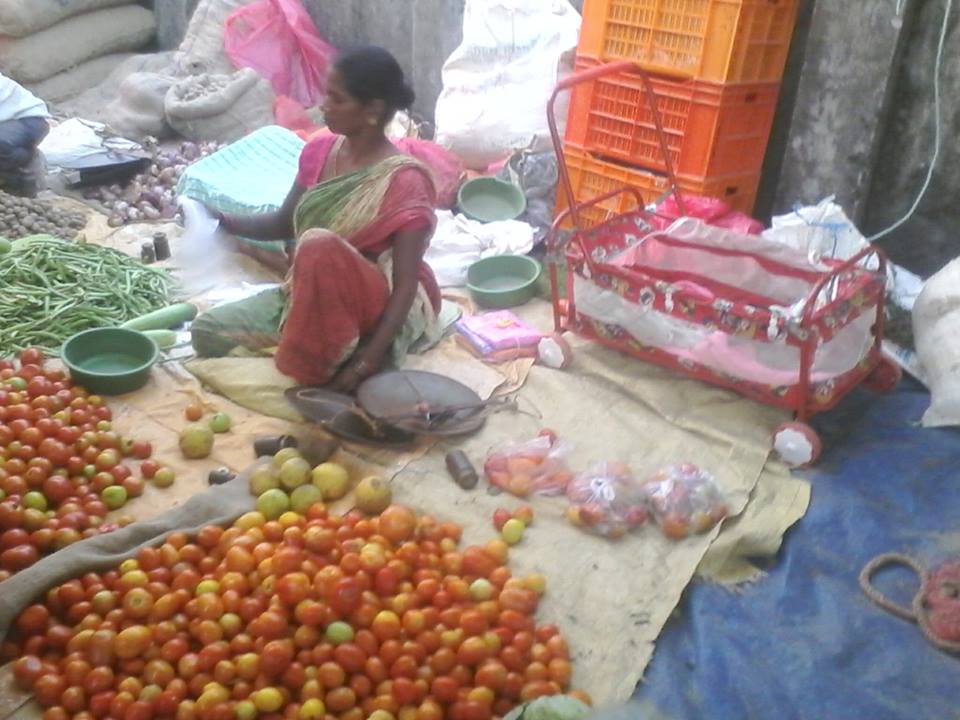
405 96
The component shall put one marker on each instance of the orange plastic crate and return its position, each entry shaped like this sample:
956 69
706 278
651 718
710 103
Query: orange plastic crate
592 176
711 129
725 41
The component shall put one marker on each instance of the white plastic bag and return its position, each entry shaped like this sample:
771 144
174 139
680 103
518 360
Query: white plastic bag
936 330
496 84
817 231
458 242
75 139
201 254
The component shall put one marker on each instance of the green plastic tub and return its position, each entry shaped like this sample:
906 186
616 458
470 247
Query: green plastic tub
110 361
503 281
488 199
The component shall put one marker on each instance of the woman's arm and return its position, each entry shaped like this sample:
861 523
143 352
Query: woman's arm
409 247
277 225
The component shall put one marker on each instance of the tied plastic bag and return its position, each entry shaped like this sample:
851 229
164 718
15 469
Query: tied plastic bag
684 500
278 39
821 230
535 466
496 84
608 500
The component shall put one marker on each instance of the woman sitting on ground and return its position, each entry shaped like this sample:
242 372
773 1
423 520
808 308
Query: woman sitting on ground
362 215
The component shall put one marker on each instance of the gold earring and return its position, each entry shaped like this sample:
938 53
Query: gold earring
372 121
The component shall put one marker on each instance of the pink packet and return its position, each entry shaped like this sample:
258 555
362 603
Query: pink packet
499 330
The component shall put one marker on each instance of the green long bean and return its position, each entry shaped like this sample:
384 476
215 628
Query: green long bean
52 288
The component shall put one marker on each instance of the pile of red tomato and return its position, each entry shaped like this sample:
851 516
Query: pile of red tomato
61 467
315 617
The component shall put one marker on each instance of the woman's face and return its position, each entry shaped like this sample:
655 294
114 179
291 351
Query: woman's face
345 115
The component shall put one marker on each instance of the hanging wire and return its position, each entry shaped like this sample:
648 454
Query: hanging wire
938 123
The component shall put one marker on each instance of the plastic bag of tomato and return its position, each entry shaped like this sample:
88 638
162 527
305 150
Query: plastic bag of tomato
313 616
61 463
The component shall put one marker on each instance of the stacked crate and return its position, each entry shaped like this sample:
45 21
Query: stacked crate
715 67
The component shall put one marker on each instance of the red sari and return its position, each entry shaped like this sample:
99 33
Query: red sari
338 292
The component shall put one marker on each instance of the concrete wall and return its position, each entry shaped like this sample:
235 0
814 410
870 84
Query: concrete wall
860 123
420 33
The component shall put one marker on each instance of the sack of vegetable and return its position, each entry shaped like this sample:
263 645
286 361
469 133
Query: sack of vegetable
139 111
219 107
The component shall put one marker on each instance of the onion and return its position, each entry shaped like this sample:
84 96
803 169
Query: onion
151 213
121 206
134 215
153 197
115 220
168 176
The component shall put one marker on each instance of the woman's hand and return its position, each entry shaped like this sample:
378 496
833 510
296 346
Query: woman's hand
357 369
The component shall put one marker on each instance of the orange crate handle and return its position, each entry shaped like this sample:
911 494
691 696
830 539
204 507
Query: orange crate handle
572 81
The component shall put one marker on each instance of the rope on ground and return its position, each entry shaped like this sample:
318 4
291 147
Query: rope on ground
935 607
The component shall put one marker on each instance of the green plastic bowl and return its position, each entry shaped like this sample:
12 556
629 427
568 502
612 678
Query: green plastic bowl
488 199
110 361
503 281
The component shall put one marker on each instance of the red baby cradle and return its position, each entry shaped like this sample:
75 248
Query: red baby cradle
733 310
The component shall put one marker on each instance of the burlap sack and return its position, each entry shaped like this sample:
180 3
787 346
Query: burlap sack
19 18
220 107
219 505
75 40
71 83
138 110
202 46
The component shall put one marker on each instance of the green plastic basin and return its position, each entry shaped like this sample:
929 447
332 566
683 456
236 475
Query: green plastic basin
110 361
503 281
488 199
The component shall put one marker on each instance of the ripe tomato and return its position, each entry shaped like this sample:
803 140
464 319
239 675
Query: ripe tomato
293 588
27 670
350 657
48 688
397 523
132 642
345 596
276 657
31 356
33 620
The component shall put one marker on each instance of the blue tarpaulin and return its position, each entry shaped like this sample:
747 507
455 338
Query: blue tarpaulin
805 642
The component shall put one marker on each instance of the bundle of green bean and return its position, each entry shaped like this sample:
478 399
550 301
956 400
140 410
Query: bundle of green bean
51 289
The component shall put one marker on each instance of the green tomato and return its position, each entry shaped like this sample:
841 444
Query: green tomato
35 500
164 477
17 383
512 532
220 423
114 497
338 633
273 503
481 590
